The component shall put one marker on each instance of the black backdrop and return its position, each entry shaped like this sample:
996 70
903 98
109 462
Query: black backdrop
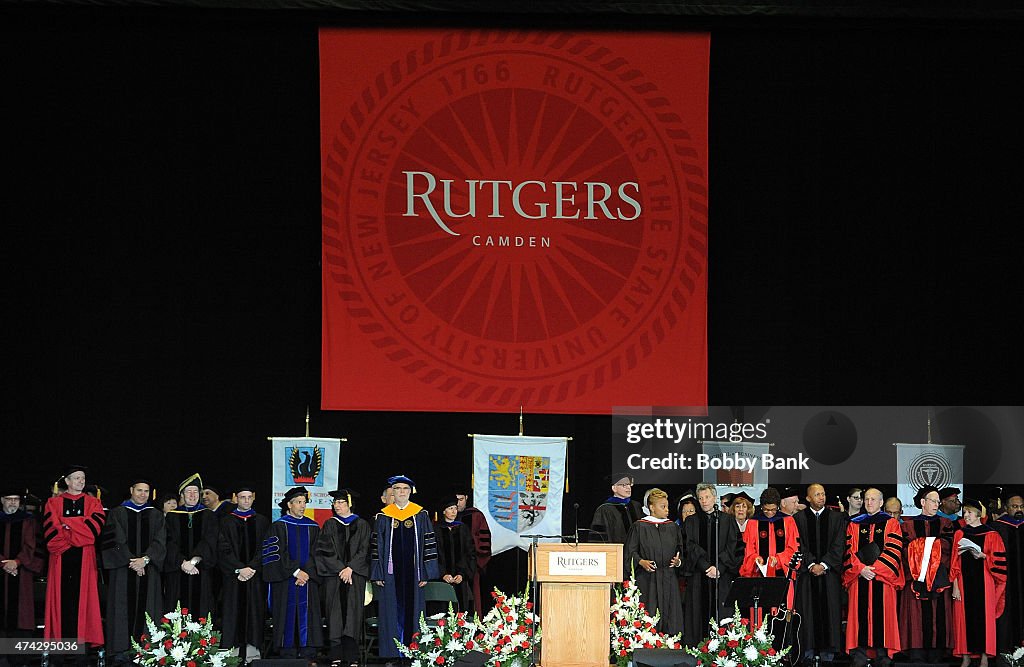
162 226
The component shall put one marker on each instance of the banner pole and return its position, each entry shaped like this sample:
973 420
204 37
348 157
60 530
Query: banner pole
520 420
307 421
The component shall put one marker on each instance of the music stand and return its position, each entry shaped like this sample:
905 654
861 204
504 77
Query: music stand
757 593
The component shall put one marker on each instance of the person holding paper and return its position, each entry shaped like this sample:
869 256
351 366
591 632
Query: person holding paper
978 569
926 618
771 539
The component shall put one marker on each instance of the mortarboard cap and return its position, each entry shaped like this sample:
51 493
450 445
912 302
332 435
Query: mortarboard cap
789 492
619 475
948 492
348 495
446 502
192 480
745 496
402 479
293 492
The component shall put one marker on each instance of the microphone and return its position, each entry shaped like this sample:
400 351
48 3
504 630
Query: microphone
576 520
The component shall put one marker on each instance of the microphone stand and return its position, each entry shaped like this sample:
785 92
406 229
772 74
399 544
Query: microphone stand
718 574
534 583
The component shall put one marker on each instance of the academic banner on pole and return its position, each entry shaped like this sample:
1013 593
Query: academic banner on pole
309 462
926 465
518 482
513 218
735 467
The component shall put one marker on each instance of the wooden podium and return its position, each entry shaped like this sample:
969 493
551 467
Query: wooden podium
575 602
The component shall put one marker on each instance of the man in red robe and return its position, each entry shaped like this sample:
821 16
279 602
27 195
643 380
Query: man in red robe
872 573
926 611
18 563
71 525
481 534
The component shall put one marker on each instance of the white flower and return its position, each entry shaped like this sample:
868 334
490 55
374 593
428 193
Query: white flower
713 645
217 659
192 626
416 663
454 645
750 653
761 635
158 636
1018 654
172 615
159 652
178 653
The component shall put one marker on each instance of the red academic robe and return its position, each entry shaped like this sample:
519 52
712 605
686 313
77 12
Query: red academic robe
481 534
926 615
982 584
18 542
71 525
766 537
871 620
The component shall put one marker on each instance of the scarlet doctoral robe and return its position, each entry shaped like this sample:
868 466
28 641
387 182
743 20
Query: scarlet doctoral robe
982 584
872 619
72 524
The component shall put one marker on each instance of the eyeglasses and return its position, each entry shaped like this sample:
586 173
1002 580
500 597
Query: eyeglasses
769 510
623 484
854 497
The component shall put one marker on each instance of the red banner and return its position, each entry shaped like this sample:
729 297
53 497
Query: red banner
513 218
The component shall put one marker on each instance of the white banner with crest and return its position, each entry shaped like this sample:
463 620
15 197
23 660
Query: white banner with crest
926 465
518 483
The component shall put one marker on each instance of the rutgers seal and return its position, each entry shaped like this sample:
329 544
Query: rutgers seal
514 217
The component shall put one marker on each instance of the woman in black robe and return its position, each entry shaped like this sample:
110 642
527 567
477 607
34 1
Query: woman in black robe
343 560
653 552
457 557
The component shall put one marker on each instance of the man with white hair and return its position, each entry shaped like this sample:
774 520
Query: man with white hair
19 561
710 545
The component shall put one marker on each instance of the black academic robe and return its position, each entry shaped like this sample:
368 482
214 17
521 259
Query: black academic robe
191 532
131 532
701 542
456 556
660 541
1010 626
240 545
926 611
819 598
614 517
344 543
290 545
18 533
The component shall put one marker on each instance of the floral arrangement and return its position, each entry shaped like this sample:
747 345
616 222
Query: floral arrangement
734 643
181 642
509 628
1014 659
503 634
632 627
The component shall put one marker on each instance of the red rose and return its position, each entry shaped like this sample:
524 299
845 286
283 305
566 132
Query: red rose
762 652
625 598
528 620
164 620
213 639
201 651
529 605
722 654
456 635
437 642
470 645
413 646
509 619
623 622
658 644
190 663
637 624
163 661
525 644
184 611
771 651
622 653
462 622
168 643
505 609
147 646
732 644
202 619
439 660
182 634
721 631
202 642
144 637
415 635
440 623
648 645
641 606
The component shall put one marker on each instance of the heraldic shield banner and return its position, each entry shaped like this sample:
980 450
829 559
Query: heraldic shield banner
513 218
518 482
308 462
940 466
